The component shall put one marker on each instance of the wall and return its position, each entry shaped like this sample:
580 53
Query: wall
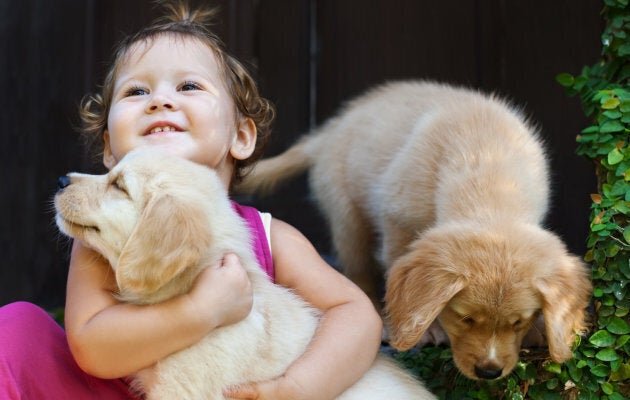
309 56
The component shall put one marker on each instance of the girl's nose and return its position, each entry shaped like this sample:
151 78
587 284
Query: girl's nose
160 102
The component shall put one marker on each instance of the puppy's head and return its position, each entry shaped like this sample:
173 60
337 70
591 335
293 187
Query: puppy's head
147 218
487 286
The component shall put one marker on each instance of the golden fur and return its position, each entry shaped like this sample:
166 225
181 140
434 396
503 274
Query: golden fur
444 191
158 220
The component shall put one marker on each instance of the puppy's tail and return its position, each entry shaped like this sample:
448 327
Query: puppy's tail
269 173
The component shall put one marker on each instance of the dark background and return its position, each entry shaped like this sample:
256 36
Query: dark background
308 56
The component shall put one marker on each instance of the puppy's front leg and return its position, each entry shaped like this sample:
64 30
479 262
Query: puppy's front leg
536 337
435 336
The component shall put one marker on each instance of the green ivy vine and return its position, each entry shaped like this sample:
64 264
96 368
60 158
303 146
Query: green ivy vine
604 91
600 368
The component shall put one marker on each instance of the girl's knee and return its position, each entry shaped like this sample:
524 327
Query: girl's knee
23 323
22 314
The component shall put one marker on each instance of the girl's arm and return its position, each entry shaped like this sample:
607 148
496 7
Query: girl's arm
349 334
110 339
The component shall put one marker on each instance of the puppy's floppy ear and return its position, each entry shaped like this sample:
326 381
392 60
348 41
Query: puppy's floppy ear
170 236
419 285
565 294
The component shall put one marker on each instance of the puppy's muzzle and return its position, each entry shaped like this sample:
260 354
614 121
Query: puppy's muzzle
488 372
62 183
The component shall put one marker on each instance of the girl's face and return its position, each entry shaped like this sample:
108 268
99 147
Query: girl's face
169 94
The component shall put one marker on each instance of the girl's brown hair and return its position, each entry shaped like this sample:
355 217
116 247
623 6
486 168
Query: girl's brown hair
182 22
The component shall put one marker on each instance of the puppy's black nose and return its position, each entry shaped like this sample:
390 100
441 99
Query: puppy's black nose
63 182
487 373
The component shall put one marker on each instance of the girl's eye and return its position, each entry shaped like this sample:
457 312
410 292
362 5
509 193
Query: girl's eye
186 86
135 91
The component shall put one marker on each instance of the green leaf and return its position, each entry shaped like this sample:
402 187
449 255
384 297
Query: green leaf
620 188
619 290
551 384
602 95
602 339
612 114
566 80
622 93
607 388
616 396
553 367
622 207
607 355
591 129
624 49
589 394
610 103
618 326
621 374
611 126
600 370
612 251
615 364
615 156
606 311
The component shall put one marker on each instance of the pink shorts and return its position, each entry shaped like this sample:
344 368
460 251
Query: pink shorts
36 363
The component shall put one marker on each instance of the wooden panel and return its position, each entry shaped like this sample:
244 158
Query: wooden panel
539 40
40 80
284 73
58 51
514 48
368 42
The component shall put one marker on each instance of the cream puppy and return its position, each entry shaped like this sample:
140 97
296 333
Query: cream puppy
158 220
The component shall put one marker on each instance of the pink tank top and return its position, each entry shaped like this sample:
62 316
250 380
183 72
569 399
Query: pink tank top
260 245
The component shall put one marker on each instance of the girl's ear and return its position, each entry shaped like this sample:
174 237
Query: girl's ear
108 158
245 140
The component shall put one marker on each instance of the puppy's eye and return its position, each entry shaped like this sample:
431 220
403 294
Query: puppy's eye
468 320
518 324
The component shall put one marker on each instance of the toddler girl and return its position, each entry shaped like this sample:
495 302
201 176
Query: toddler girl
172 86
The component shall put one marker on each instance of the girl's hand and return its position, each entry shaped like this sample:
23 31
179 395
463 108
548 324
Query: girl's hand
222 294
109 339
281 388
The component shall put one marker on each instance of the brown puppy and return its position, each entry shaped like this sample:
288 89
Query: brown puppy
444 190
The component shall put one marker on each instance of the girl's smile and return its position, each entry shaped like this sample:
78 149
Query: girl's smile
163 128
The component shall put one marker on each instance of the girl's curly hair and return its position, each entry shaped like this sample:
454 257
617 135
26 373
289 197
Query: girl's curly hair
180 21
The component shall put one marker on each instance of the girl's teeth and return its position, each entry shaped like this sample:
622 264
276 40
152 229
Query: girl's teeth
162 129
